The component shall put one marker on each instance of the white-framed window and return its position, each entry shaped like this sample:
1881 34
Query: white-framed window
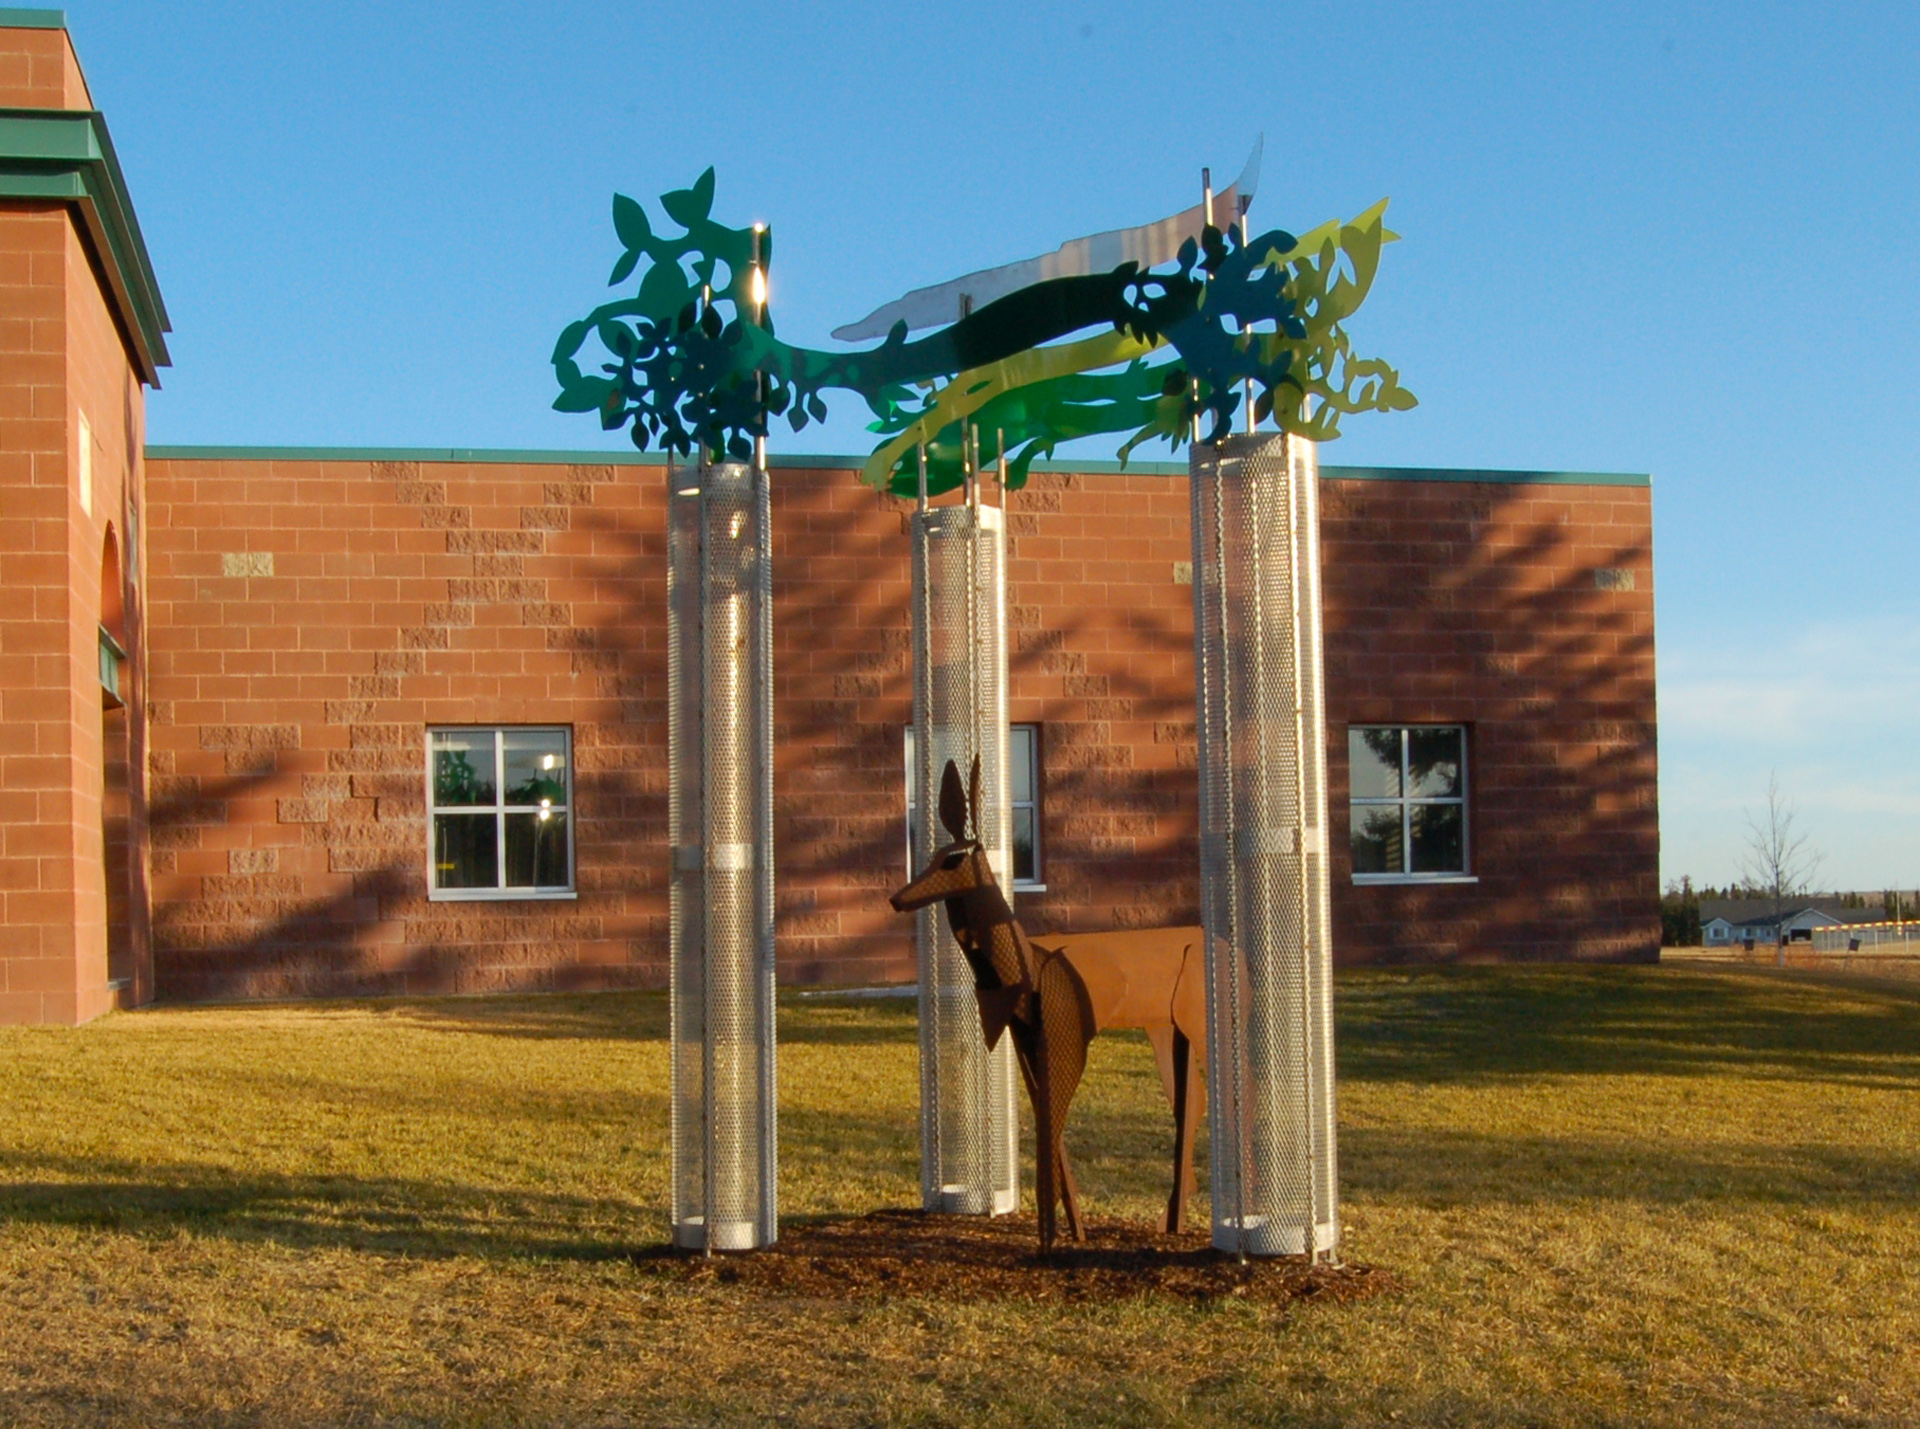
1408 790
500 811
1023 785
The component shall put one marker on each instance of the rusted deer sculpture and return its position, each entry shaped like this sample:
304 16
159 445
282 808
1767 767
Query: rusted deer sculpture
1054 995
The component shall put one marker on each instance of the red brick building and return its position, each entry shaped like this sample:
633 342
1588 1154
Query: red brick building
81 332
396 721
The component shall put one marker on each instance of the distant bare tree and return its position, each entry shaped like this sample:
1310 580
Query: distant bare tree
1778 863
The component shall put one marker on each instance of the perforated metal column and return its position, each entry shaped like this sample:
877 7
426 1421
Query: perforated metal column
968 1117
1263 845
720 808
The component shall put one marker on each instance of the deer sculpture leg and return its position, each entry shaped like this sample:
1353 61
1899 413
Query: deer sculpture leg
1046 1168
1052 1078
1069 1194
1066 1026
1174 1052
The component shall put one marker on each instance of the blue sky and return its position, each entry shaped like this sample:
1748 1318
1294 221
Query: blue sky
1653 238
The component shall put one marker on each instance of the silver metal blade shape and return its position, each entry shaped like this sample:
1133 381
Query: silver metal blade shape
1147 245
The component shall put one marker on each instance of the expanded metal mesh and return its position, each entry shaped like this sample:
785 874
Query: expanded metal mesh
720 801
1263 845
968 1117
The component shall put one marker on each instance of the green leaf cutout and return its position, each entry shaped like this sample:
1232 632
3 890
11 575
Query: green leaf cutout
688 207
663 292
586 395
617 338
630 222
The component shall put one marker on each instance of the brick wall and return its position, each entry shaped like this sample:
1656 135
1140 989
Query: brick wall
37 797
110 746
311 618
1524 612
38 70
60 356
1103 662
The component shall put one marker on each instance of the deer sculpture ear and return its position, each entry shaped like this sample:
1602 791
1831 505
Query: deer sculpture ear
953 803
973 800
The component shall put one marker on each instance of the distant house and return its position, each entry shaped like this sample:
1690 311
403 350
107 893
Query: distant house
1735 920
1797 925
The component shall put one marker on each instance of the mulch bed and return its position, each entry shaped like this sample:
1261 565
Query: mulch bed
904 1253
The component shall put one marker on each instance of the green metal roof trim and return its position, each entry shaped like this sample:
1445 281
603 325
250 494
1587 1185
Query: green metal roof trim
66 156
1498 478
11 19
508 456
493 455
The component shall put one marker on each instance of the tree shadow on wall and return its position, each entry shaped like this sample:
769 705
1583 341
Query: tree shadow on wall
1521 613
1119 838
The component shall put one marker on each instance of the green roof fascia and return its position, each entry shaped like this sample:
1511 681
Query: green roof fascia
1496 478
67 156
477 455
804 461
14 19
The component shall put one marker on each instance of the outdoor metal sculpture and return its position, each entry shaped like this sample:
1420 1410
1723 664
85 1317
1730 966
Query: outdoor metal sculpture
1147 332
1236 312
1053 996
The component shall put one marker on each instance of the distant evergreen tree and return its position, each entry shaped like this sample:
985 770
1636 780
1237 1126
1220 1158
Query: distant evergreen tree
1680 915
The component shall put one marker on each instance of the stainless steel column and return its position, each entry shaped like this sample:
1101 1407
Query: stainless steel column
1263 845
720 772
969 1123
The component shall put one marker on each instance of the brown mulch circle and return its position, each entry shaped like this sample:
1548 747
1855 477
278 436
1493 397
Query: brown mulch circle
906 1253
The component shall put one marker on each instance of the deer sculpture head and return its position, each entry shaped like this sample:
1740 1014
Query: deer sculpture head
994 944
961 866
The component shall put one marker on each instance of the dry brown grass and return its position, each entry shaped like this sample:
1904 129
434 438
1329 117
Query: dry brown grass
1897 963
1622 1196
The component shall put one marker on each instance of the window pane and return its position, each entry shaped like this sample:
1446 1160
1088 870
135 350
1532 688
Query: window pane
1376 839
465 854
1433 763
1023 860
536 761
536 850
462 768
1373 763
1439 845
1020 760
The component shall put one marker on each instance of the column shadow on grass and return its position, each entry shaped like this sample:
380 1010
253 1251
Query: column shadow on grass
386 1215
1434 1168
1468 1025
383 1215
646 1017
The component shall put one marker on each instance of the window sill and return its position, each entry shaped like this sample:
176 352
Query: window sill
1028 888
501 895
1374 880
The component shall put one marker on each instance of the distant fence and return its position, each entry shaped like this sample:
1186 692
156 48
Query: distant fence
1876 949
1899 940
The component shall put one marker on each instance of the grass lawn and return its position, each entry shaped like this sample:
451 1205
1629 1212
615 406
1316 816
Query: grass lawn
1617 1196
